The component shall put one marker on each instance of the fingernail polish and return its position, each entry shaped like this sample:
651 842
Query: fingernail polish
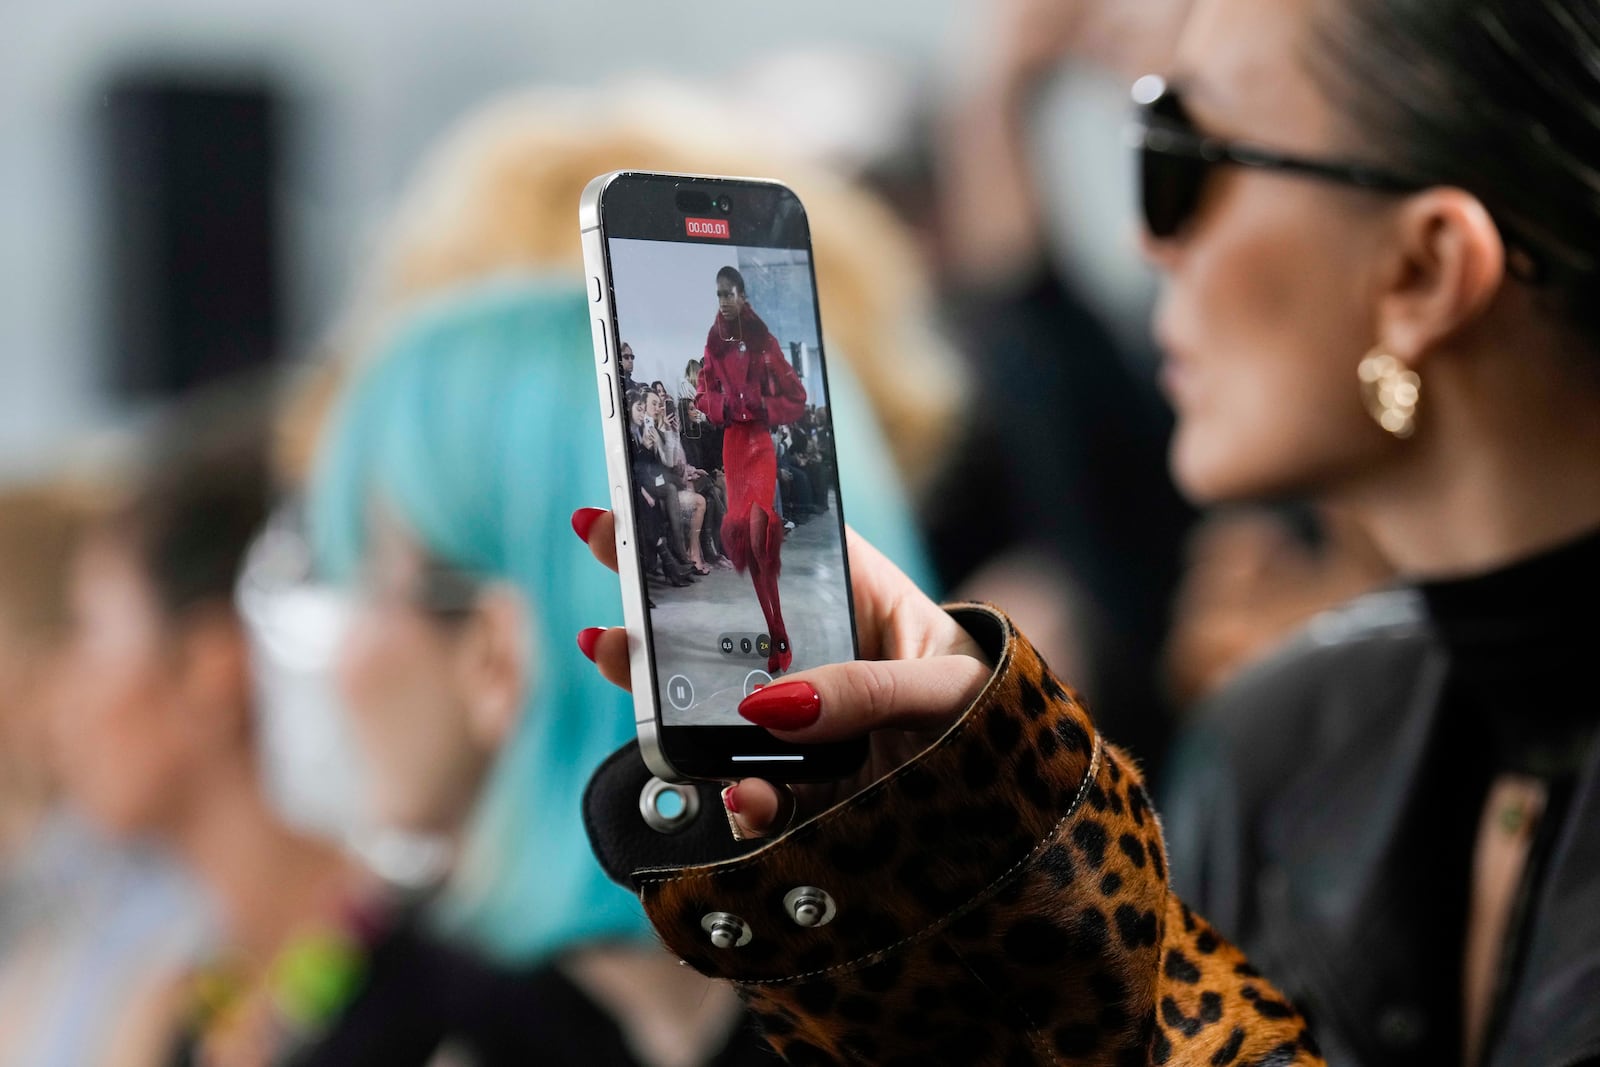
784 706
583 521
730 800
587 639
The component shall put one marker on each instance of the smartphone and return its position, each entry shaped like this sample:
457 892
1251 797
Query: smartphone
710 282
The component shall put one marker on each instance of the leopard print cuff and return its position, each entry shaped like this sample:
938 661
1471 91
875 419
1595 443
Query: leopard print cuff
991 791
1002 898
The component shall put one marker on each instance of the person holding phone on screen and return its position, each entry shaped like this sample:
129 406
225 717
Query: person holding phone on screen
748 389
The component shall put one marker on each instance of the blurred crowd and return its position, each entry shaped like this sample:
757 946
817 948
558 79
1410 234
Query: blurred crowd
293 732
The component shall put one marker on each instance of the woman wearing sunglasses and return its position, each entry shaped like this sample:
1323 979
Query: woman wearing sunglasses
1377 223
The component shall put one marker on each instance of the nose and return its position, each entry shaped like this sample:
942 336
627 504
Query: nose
1160 252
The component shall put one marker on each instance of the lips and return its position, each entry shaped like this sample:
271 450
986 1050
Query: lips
1176 367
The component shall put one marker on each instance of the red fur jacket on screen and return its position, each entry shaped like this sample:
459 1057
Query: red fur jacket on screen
744 377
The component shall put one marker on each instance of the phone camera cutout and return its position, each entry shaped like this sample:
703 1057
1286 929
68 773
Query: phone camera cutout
691 201
724 204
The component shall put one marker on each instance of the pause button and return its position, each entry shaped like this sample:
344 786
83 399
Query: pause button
680 691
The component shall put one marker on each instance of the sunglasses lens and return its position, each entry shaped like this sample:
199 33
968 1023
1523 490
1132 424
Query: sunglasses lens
1170 186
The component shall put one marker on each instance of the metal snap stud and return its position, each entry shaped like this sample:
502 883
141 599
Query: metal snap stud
726 930
668 808
809 906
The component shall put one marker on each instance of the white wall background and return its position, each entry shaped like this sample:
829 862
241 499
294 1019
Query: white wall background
372 83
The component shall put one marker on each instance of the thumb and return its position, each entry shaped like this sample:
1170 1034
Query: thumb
850 700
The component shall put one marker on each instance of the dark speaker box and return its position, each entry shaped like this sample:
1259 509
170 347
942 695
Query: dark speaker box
190 171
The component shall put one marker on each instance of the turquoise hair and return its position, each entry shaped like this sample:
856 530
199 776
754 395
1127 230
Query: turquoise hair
875 503
477 428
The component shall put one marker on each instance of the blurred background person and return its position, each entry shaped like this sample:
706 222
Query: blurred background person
1255 577
92 933
162 737
444 490
156 738
1057 501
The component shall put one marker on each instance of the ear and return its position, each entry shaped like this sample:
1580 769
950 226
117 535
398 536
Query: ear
1448 266
495 666
213 673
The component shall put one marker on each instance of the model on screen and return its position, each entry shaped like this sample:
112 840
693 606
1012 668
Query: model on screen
748 389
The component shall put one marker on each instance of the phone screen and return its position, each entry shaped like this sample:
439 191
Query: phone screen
722 392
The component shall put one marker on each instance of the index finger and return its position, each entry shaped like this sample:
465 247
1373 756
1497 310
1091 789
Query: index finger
601 533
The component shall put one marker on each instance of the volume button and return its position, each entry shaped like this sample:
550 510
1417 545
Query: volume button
610 403
602 341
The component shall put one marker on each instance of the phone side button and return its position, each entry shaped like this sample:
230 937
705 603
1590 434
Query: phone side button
602 341
611 402
594 290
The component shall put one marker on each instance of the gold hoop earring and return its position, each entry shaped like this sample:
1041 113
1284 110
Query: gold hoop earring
1391 391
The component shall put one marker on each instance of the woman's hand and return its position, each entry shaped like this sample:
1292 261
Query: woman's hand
918 672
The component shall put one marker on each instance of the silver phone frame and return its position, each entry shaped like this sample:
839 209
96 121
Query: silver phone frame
597 271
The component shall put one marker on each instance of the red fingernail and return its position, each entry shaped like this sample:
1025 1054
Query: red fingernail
784 706
583 521
729 800
587 639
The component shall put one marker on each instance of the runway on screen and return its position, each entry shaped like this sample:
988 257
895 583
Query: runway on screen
692 623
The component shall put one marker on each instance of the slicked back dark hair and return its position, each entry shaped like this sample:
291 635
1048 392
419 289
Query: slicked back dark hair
1497 97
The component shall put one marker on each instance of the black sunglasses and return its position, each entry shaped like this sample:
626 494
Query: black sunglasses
1175 160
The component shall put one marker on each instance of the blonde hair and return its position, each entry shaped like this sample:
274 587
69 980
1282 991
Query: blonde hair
500 194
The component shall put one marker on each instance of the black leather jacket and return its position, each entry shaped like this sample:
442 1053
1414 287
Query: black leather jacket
1299 820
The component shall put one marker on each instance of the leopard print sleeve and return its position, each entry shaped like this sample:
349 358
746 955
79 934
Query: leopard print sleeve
1001 899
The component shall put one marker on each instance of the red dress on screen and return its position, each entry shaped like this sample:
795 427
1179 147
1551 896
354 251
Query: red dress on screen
748 389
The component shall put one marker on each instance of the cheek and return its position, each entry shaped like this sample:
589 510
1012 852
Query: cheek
113 740
410 723
1274 325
